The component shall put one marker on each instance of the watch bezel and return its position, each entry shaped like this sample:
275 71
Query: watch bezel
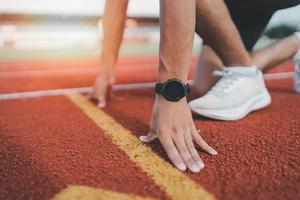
171 81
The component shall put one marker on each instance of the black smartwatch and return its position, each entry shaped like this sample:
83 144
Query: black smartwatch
172 89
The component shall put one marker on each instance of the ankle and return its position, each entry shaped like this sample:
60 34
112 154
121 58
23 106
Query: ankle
253 70
244 61
297 34
297 39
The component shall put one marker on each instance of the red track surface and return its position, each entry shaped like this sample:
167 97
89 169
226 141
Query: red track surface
48 143
259 155
20 76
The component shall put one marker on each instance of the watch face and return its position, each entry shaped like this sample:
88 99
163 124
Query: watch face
174 90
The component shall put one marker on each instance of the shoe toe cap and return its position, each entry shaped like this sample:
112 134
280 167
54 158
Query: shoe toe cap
205 102
200 103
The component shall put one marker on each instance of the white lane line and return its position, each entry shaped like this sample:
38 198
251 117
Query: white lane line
279 75
56 92
132 86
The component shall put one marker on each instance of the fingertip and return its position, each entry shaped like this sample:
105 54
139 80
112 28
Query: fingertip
181 167
201 164
144 138
212 151
101 104
147 138
195 168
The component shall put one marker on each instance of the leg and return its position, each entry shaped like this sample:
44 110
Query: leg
265 58
216 27
268 57
172 121
245 21
113 26
239 90
208 62
250 29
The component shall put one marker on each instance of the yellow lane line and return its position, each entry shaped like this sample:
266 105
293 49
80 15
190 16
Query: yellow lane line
177 185
77 192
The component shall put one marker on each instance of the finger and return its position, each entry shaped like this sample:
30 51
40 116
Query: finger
193 151
172 153
101 102
148 138
200 141
185 154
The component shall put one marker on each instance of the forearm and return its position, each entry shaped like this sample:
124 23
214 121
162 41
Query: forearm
177 26
113 26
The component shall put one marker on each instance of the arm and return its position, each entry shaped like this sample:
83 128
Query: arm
113 27
172 121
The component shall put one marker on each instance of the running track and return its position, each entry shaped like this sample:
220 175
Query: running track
64 147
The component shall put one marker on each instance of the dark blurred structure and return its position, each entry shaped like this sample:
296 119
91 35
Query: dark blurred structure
280 31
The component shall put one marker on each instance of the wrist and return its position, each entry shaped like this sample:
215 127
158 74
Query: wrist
165 75
106 73
161 99
172 90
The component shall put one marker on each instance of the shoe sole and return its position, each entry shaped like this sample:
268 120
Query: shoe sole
255 103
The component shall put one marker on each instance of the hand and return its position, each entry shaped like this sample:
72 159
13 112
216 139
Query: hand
101 89
172 123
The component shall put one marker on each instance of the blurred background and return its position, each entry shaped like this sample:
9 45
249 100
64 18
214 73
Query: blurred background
55 44
62 28
34 29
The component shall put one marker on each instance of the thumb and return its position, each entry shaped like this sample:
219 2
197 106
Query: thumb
148 138
101 102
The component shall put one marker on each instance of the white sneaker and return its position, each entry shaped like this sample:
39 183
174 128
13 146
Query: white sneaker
296 60
234 96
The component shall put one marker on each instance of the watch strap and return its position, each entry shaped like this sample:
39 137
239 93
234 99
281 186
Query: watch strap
159 88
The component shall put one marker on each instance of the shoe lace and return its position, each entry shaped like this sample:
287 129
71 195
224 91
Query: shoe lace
229 78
